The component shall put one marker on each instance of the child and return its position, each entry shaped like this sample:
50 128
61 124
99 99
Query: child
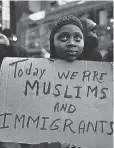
66 39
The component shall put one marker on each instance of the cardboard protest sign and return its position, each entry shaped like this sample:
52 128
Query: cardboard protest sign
41 101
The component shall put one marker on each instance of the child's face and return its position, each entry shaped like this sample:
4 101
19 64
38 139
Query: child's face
69 42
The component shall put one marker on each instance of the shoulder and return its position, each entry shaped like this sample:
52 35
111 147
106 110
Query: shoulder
94 56
20 51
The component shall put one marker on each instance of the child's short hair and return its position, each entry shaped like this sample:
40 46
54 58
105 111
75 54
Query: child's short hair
64 20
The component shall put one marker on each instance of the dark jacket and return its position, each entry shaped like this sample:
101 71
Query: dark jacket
11 51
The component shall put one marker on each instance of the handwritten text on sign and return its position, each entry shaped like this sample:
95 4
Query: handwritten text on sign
41 100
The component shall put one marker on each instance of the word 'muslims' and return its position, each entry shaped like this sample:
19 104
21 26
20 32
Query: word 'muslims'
47 88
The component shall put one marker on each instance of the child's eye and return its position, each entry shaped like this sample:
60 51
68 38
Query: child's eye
63 38
78 38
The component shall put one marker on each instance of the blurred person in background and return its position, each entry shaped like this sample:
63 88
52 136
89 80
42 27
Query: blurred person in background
11 37
4 40
42 54
91 41
109 55
7 49
13 41
41 46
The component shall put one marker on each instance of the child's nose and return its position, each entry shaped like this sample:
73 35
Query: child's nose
71 42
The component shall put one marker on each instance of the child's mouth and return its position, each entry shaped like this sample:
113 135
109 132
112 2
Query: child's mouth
71 52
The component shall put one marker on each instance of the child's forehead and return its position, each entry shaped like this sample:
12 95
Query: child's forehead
68 28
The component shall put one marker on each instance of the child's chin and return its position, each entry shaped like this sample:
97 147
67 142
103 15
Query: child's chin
71 59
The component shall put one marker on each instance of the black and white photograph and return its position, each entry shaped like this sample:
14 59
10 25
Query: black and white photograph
56 74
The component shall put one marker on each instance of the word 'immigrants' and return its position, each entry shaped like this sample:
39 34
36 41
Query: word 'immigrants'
45 124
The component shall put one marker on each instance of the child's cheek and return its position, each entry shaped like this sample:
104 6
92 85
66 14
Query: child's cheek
81 45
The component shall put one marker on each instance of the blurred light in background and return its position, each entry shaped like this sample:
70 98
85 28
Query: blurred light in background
108 28
111 20
37 16
14 38
63 2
